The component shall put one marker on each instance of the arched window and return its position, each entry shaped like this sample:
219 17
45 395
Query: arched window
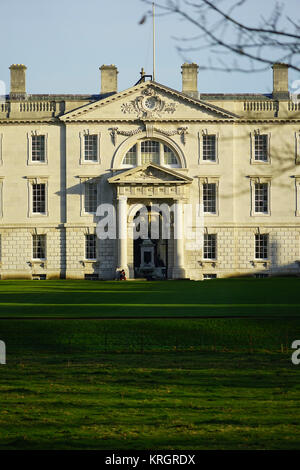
151 151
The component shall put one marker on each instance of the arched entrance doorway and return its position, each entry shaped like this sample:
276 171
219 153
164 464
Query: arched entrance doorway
147 185
150 249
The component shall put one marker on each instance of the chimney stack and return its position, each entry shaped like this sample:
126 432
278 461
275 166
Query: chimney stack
190 79
109 79
280 81
17 81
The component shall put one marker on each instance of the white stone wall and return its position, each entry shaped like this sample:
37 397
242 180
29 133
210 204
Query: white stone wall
17 256
236 253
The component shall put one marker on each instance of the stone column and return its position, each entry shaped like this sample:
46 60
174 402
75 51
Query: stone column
122 233
178 270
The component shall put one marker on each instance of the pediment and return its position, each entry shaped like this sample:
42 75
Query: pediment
150 174
148 101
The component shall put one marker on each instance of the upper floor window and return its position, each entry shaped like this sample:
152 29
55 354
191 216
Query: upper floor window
91 147
261 198
210 198
90 197
38 153
39 198
37 148
131 157
151 151
209 147
261 147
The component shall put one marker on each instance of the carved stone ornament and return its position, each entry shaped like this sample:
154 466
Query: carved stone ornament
182 131
114 131
148 105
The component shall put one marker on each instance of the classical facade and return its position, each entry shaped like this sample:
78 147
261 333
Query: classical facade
66 159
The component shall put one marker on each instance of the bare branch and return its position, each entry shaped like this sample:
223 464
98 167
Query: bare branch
271 40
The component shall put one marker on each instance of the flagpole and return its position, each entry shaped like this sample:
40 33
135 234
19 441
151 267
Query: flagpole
153 19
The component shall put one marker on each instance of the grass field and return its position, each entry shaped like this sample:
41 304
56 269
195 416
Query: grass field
149 383
221 297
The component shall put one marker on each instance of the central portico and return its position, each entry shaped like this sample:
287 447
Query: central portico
148 186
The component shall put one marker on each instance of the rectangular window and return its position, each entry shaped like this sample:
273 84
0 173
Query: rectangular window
261 246
91 147
210 246
261 202
39 246
209 147
90 247
39 198
90 197
210 198
91 277
261 147
38 148
209 276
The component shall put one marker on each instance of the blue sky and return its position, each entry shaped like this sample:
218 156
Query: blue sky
63 43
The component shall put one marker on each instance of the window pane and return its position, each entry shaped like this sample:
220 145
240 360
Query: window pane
209 198
91 147
38 148
130 157
209 249
150 151
39 246
261 147
169 156
261 246
39 198
90 246
90 197
209 147
261 197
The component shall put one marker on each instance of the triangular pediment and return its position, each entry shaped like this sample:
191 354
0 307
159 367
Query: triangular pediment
150 174
148 101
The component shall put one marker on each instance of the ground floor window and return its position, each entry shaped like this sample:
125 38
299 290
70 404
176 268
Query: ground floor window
209 276
91 277
90 247
210 246
261 245
39 246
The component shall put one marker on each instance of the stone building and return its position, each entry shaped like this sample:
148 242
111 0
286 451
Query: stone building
236 156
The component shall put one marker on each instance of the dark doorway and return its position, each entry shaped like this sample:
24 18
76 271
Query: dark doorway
160 247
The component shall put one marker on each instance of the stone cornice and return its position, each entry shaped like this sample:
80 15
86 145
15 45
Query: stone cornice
30 120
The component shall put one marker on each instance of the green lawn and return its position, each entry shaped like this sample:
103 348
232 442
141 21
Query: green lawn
207 400
150 383
221 297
